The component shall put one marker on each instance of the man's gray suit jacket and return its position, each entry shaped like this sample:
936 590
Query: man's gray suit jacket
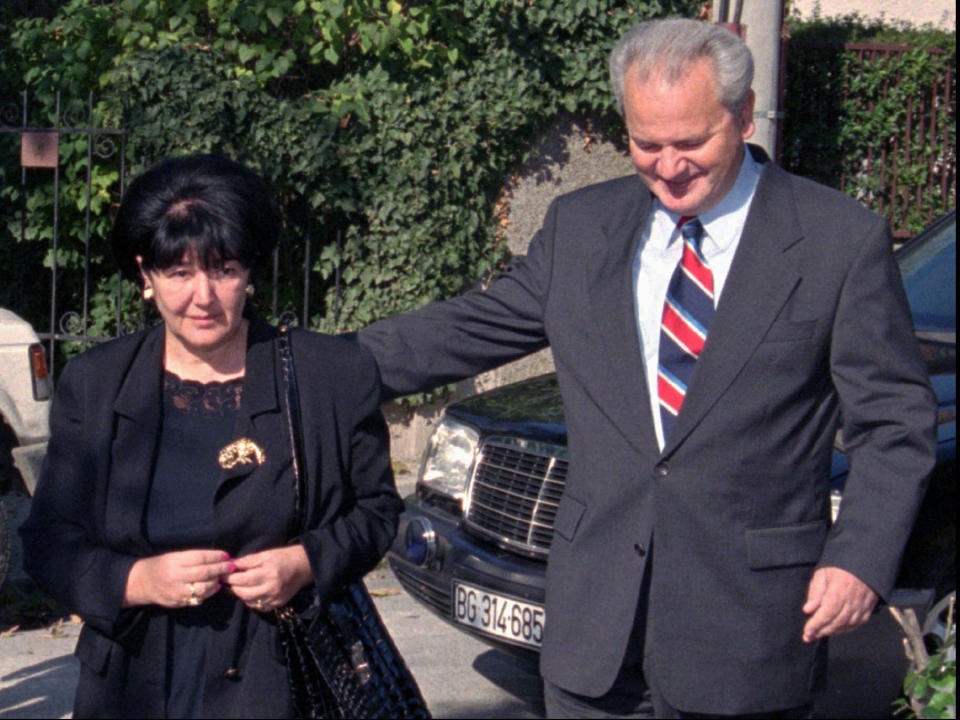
734 512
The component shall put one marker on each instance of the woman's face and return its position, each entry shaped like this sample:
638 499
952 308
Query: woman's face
201 308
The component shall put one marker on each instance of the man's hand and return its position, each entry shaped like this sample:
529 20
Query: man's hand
837 602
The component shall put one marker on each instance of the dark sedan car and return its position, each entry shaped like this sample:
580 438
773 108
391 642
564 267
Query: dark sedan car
474 540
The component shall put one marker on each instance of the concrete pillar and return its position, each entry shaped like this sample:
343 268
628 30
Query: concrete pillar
759 25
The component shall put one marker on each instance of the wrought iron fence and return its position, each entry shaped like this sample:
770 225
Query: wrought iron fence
923 121
906 171
39 137
33 136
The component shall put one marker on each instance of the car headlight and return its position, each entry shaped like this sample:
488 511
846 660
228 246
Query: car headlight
448 461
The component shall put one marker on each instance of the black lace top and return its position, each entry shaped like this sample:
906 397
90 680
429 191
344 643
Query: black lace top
198 420
210 399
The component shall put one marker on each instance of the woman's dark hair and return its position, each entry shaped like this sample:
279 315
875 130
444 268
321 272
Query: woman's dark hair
206 204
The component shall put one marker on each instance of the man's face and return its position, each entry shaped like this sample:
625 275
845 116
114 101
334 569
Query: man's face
686 146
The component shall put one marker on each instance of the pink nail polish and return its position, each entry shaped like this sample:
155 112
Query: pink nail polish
226 556
232 567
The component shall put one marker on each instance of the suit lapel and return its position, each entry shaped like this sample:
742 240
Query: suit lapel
761 280
138 408
621 379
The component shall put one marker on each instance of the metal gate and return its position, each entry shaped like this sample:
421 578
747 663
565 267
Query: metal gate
41 129
36 131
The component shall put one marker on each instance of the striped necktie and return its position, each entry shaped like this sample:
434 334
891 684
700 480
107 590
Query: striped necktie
687 312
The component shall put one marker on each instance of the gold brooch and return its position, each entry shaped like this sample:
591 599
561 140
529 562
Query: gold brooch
241 452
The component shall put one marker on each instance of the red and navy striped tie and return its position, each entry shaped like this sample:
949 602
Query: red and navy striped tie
687 313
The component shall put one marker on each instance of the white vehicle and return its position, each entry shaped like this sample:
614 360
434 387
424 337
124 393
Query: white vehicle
25 391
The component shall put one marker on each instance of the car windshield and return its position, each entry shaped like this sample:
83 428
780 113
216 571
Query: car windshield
929 268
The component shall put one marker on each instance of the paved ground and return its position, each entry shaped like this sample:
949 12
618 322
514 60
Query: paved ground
38 672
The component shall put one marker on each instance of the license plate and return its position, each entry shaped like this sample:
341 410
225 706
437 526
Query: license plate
498 615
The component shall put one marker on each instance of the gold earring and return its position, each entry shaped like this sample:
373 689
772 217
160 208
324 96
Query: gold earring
148 293
249 290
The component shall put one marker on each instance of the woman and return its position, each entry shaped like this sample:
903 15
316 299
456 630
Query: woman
165 516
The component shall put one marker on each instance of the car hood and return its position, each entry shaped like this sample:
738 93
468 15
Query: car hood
532 408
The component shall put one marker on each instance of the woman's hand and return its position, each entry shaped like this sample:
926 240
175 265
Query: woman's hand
268 579
176 579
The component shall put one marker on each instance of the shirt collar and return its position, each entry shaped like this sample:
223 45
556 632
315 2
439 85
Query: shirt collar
723 223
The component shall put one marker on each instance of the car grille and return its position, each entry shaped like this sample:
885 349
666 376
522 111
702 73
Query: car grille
515 492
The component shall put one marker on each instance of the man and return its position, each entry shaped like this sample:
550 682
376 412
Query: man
693 567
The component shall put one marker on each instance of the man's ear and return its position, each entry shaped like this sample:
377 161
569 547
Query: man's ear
747 125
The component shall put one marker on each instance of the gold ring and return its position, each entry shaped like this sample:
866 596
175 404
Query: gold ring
193 600
258 604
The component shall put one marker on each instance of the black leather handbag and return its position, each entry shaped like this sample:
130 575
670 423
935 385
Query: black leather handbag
341 660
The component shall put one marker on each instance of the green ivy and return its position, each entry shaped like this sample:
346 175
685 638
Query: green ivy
846 117
386 129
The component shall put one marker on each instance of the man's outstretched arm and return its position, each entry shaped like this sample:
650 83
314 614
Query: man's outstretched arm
480 330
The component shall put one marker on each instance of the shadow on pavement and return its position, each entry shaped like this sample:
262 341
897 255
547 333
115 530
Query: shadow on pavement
513 677
37 691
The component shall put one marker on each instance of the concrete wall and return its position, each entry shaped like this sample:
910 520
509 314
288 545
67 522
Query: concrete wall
939 13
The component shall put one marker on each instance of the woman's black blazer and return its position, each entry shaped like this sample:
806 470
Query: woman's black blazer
85 529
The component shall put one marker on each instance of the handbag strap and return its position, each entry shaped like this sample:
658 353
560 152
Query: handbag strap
294 426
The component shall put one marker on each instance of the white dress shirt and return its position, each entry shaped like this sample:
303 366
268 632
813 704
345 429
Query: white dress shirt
659 252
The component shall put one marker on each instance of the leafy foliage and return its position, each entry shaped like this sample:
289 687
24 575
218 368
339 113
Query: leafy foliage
881 124
930 686
385 128
936 684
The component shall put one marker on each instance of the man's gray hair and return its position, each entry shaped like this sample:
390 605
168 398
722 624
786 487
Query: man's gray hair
671 46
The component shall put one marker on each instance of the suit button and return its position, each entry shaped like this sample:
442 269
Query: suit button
640 549
662 469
